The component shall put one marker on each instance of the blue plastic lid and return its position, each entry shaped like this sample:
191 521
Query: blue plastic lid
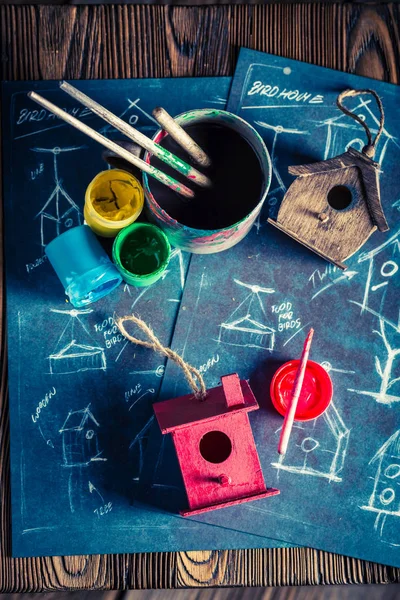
82 266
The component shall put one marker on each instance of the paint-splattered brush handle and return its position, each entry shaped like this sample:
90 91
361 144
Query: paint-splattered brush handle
161 153
181 137
131 158
298 383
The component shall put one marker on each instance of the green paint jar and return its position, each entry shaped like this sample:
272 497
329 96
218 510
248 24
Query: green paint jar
141 253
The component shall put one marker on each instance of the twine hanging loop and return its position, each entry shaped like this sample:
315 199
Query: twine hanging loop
192 375
370 148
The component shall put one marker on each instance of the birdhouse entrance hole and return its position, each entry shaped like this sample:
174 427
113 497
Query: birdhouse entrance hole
215 447
339 197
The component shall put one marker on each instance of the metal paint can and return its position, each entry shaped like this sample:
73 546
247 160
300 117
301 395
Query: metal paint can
208 241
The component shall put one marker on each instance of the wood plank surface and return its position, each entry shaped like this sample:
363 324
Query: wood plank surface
80 42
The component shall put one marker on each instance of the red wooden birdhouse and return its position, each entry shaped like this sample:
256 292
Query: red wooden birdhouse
215 446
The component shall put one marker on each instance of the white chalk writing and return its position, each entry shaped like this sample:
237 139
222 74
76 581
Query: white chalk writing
110 331
274 91
43 403
26 115
210 363
38 171
39 261
137 393
133 391
286 320
318 276
103 510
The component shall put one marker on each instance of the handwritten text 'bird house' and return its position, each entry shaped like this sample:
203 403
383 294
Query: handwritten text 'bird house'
215 446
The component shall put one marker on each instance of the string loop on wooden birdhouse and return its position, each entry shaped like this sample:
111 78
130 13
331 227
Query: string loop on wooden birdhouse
192 375
369 149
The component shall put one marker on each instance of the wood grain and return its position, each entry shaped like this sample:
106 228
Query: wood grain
105 41
331 232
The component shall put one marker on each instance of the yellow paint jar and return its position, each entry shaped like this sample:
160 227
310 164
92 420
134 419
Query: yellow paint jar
113 200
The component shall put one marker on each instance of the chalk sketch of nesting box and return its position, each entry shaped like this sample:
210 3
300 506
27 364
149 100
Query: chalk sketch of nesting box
333 206
385 497
384 501
215 446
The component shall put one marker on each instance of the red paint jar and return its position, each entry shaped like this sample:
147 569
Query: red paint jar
316 392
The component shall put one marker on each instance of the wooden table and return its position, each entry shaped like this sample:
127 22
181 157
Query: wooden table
44 42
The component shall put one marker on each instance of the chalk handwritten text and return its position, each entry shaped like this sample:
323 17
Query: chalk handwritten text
26 115
37 171
43 403
209 364
273 91
39 261
286 318
103 510
110 331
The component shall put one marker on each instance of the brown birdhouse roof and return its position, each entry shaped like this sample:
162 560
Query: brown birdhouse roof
187 410
369 172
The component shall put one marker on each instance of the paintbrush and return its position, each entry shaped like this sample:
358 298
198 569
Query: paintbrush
131 158
181 137
161 153
298 382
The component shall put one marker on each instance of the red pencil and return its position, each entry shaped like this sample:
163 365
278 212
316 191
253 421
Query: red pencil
298 383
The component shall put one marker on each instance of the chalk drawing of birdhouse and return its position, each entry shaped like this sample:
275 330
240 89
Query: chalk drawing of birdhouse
317 447
59 212
333 206
383 273
246 325
385 498
79 439
215 446
76 350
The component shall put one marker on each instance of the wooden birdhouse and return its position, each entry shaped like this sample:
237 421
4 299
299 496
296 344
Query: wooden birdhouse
333 206
215 446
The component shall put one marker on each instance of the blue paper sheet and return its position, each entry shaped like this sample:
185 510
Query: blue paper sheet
80 396
247 310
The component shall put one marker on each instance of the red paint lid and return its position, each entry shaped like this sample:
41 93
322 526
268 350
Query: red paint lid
316 392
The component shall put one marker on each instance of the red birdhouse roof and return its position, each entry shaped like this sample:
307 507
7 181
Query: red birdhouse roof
233 396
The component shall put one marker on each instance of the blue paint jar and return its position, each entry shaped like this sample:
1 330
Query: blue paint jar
82 266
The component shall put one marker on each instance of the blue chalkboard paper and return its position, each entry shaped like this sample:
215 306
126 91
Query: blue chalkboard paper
80 396
248 310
